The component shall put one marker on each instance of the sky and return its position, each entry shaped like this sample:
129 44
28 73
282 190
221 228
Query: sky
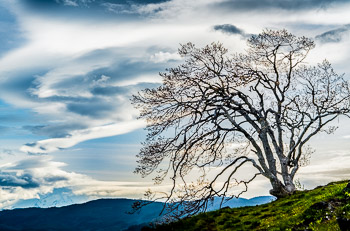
68 69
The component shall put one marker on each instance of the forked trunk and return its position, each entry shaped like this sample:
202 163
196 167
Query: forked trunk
279 190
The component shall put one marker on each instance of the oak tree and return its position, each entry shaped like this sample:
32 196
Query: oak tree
218 112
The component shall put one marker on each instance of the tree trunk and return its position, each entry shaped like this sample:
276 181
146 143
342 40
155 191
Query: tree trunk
279 190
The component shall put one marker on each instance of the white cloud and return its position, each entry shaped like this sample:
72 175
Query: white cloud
57 51
101 82
51 145
334 168
42 170
70 3
49 174
163 57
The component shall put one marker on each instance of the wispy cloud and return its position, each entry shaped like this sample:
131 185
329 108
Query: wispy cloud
86 93
69 74
335 35
82 9
247 5
333 169
77 136
163 57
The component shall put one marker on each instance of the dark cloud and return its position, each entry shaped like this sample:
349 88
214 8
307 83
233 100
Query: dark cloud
22 83
30 144
94 109
246 5
26 180
15 180
54 130
143 2
100 9
109 90
55 178
334 36
87 3
22 174
105 101
229 29
10 35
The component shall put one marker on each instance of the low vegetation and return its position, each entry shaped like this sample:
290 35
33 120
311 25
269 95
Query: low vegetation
323 208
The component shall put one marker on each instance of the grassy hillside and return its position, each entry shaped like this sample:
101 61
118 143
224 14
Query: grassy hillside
324 208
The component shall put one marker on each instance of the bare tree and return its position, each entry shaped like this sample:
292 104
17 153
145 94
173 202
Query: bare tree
266 103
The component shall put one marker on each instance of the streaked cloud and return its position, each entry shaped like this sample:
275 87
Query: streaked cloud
10 34
75 137
288 5
69 67
334 169
335 35
82 9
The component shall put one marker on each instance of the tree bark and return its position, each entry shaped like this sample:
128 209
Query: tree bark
280 190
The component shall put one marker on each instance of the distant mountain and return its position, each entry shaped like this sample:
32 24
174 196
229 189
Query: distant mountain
240 202
58 198
102 214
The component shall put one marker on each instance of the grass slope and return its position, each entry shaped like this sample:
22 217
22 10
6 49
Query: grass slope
323 208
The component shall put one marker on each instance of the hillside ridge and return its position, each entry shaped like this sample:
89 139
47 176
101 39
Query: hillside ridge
323 208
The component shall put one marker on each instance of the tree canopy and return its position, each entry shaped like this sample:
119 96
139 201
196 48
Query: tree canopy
219 112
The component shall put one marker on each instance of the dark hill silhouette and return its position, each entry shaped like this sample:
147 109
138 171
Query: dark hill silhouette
102 214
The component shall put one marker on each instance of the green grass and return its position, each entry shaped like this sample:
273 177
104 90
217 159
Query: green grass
316 209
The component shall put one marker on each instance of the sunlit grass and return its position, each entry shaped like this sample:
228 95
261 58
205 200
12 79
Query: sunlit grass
316 209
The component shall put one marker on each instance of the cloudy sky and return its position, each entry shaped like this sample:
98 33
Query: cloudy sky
69 67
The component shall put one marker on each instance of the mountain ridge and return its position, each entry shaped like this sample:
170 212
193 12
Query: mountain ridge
101 214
